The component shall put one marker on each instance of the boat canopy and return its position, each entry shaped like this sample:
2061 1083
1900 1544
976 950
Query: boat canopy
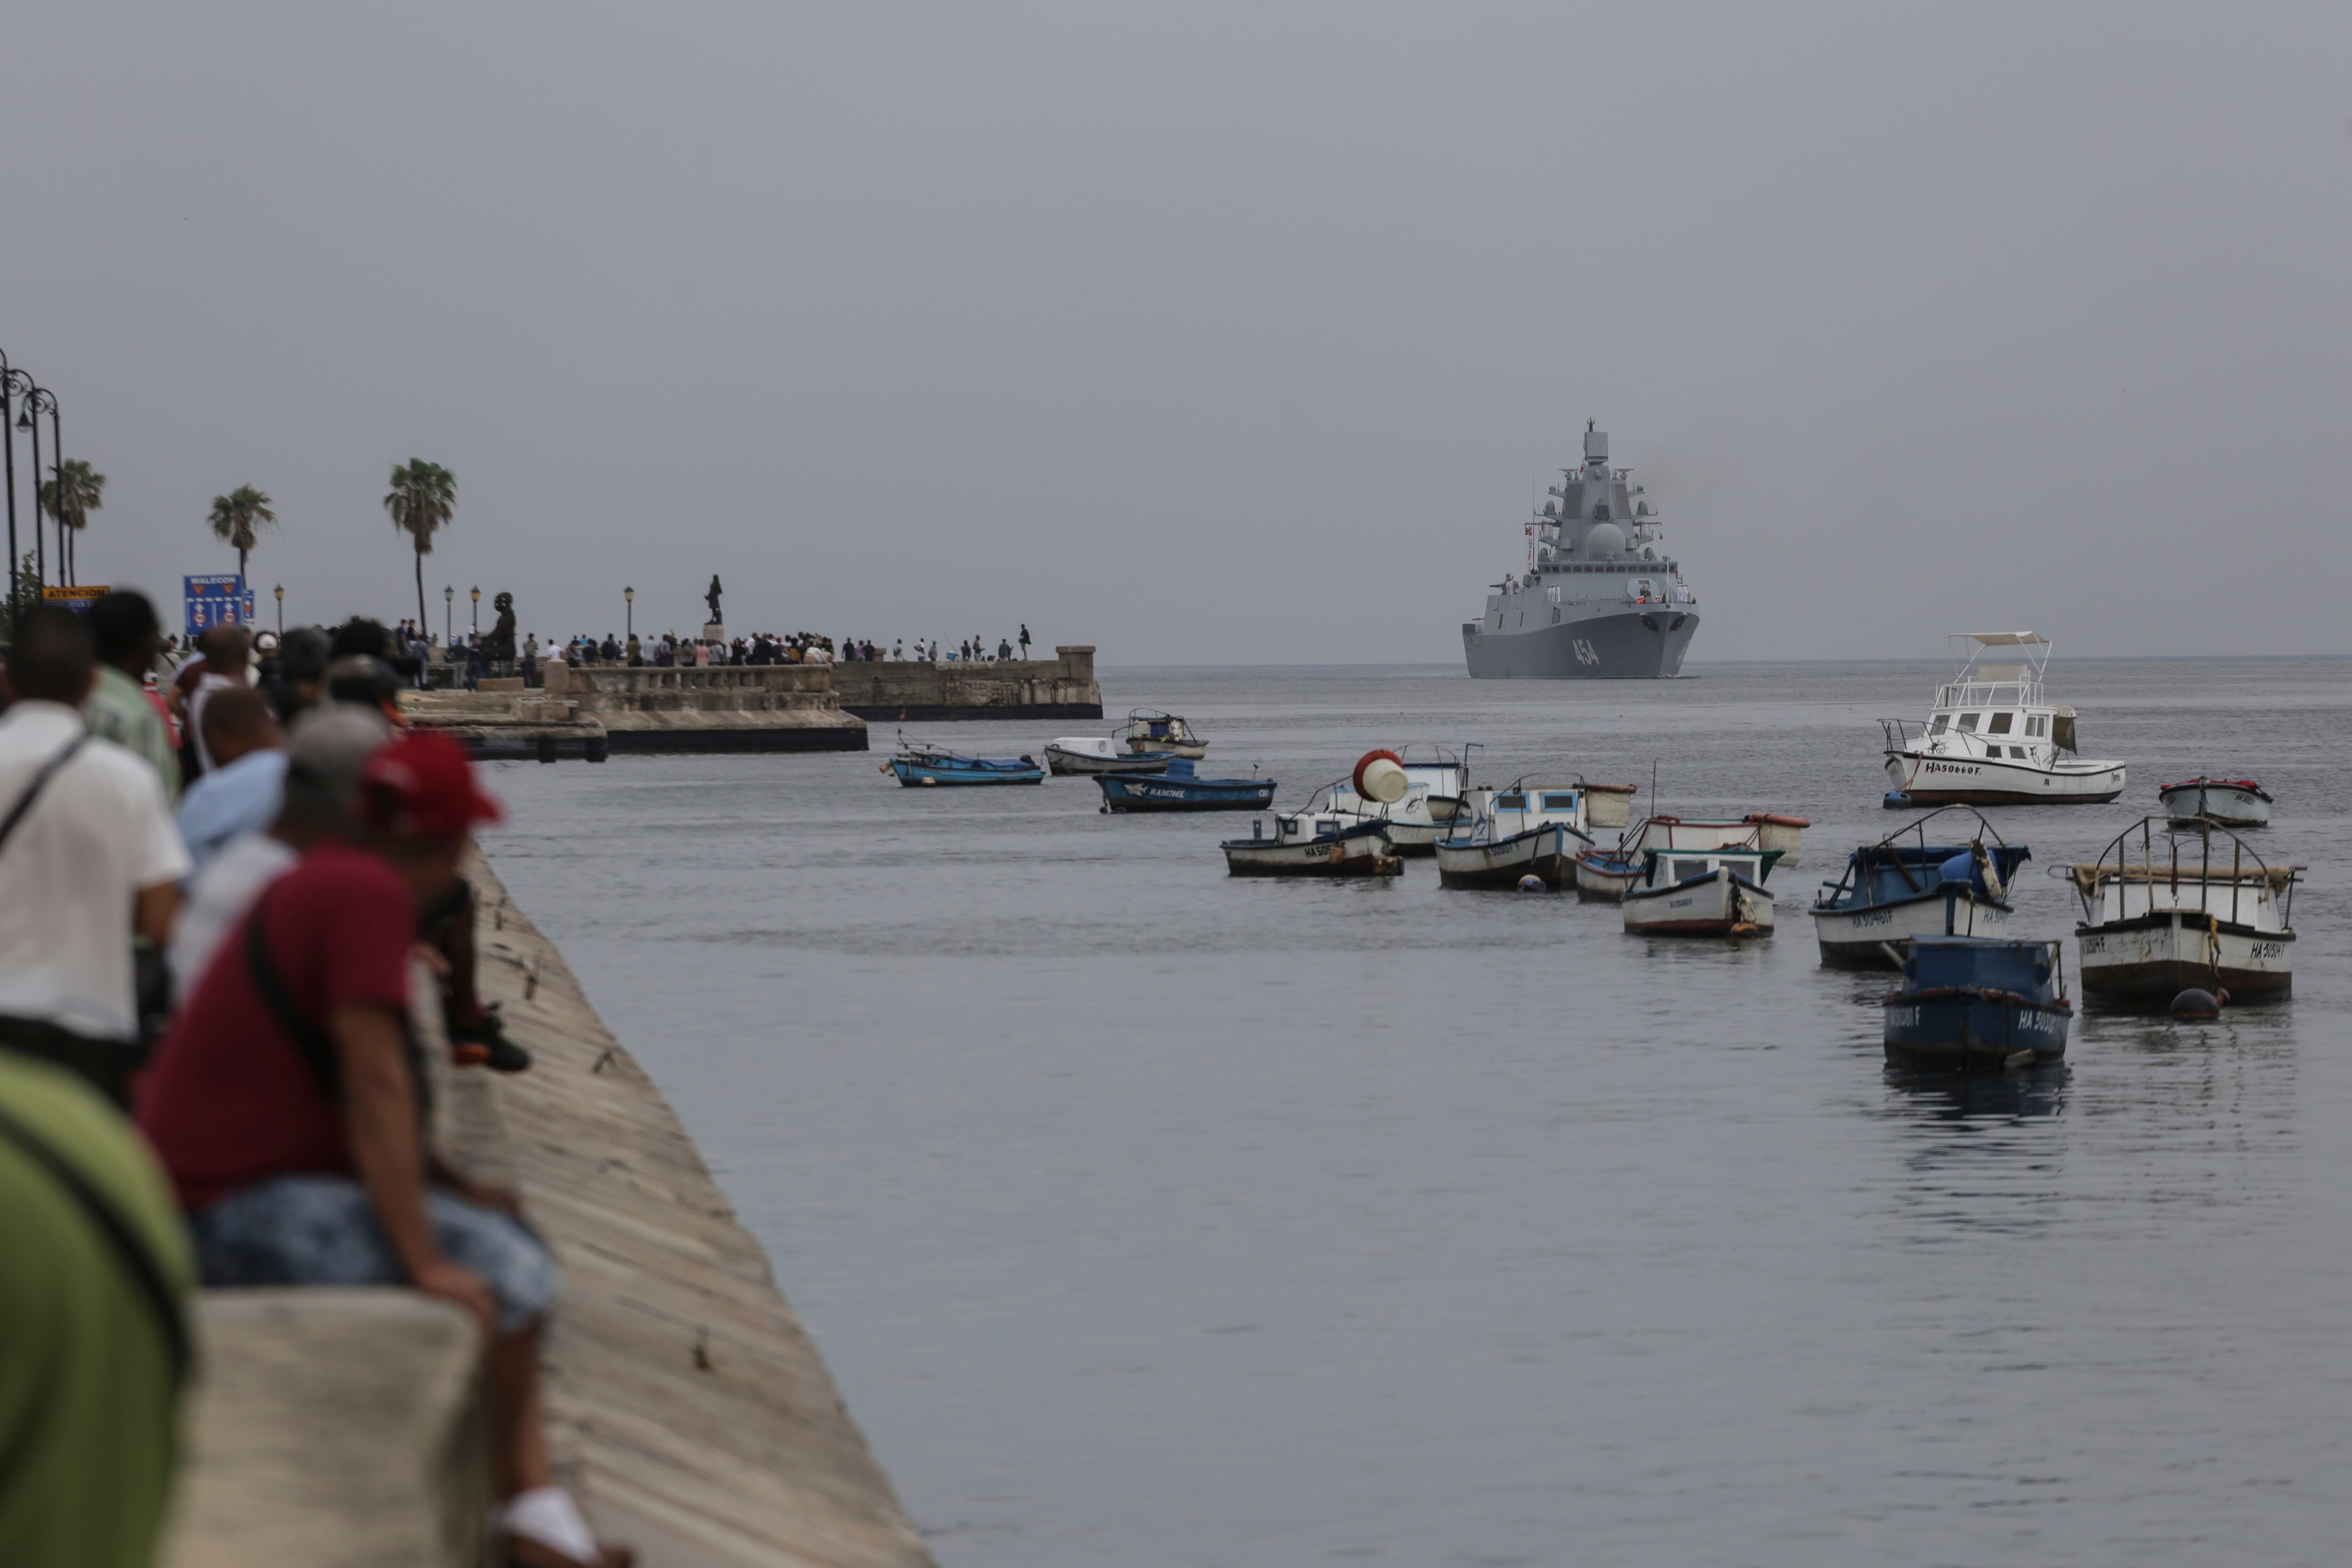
2086 875
1990 962
2002 639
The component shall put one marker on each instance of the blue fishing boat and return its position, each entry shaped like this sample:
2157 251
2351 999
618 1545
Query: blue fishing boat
1978 1003
1178 788
1903 887
917 764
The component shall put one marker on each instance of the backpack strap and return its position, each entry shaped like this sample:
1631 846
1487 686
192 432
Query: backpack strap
309 1036
146 1276
40 782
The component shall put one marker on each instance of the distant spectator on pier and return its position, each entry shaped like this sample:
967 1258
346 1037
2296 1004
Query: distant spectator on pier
608 651
1003 649
1025 640
636 652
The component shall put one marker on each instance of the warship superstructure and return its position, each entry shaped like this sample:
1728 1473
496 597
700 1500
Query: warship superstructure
1599 601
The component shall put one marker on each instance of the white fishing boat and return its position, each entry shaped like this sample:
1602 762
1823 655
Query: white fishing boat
1993 738
1531 828
1302 845
1415 796
1085 755
1701 893
2240 802
1610 873
2195 908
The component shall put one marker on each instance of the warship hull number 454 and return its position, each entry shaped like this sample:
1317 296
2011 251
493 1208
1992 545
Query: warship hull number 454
1598 601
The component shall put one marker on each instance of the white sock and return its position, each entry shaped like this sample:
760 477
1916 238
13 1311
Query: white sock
548 1516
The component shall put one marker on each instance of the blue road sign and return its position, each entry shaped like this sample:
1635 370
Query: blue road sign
217 601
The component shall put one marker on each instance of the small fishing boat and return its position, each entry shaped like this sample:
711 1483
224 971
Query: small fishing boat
1417 798
1979 1003
1905 887
1309 846
2207 913
2240 802
1528 830
1993 738
920 764
1148 730
1177 789
1701 892
1610 873
1090 754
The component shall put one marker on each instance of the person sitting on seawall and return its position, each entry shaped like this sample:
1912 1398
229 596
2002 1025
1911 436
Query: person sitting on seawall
285 1105
240 794
89 857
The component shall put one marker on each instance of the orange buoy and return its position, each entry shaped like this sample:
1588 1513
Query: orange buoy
1380 778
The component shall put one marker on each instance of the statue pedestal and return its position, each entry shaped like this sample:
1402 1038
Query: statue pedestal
714 631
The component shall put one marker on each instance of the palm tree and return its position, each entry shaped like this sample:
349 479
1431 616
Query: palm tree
424 499
236 515
84 494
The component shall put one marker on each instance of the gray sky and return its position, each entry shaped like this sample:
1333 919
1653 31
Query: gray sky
1208 333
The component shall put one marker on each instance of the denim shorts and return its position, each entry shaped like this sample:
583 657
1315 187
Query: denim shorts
323 1231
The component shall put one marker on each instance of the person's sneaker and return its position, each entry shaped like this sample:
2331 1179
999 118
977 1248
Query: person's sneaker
486 1045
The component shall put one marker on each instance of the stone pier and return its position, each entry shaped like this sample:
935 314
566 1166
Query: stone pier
598 709
923 693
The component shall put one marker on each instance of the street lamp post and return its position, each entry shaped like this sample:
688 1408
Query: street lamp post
629 611
57 455
478 612
280 591
28 419
11 378
448 609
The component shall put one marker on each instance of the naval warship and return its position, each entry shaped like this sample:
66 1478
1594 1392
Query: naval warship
1598 601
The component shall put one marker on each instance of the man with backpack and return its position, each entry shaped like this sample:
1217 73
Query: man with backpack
89 857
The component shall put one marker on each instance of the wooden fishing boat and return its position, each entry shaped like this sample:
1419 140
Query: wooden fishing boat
1148 730
2240 802
1531 828
1087 755
922 765
1905 887
1977 1003
1320 847
1177 789
1701 893
2207 913
1610 873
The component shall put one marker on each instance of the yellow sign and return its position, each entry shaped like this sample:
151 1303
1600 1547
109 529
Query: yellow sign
79 600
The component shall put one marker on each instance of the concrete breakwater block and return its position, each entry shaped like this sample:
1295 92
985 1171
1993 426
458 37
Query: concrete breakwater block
337 1429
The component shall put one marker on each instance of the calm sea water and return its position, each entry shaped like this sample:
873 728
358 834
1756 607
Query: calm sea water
1151 1217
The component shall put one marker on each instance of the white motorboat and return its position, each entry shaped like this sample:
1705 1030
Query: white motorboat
1993 738
2161 924
1092 754
1307 846
1531 828
1701 893
2240 802
1906 886
1427 790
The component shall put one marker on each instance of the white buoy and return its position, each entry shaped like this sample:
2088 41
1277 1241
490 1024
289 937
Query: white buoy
1531 884
1380 778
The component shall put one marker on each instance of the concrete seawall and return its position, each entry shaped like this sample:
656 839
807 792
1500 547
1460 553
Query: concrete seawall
598 710
921 693
687 1408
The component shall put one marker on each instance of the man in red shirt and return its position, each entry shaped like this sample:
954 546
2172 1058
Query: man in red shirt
286 1106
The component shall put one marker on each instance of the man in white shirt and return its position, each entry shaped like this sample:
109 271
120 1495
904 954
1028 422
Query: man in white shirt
87 855
228 654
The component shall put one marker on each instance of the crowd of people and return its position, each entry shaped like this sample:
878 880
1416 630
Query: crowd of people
230 912
669 650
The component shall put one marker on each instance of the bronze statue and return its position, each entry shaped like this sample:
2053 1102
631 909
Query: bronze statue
500 643
712 598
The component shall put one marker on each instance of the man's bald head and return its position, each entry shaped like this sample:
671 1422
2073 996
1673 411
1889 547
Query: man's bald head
226 651
237 721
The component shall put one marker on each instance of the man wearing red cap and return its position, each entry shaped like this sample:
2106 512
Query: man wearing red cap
287 1104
